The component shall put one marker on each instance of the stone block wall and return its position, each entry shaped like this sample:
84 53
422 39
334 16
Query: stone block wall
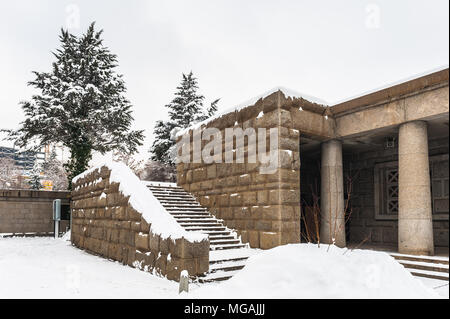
263 208
106 224
30 211
364 221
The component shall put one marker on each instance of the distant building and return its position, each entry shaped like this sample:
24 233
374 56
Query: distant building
25 159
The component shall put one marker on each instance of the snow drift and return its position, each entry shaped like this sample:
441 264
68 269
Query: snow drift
306 271
143 201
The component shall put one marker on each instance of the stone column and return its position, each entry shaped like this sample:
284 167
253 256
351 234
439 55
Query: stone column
332 194
415 225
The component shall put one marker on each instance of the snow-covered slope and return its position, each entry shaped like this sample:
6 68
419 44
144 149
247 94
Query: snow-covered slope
142 199
306 271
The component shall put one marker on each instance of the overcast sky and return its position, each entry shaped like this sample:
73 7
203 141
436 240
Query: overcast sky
238 49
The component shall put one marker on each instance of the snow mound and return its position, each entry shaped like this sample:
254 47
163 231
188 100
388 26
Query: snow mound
287 92
66 236
306 271
142 200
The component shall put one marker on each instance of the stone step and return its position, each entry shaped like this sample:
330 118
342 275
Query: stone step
192 215
167 191
165 187
425 266
432 259
187 209
217 233
182 206
196 221
201 224
226 246
237 259
217 276
430 274
224 241
174 197
205 228
227 266
180 202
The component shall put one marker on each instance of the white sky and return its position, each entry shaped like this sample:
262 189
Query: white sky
329 49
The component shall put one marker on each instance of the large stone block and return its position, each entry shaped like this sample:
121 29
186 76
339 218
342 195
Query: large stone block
269 240
141 241
253 238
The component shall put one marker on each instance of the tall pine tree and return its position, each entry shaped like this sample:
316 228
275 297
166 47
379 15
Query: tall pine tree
81 104
185 109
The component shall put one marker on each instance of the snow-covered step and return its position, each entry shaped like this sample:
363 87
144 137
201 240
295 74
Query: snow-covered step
180 202
227 246
185 209
201 219
434 259
217 276
193 217
224 241
434 267
201 224
223 255
175 199
204 228
217 233
227 266
429 274
425 266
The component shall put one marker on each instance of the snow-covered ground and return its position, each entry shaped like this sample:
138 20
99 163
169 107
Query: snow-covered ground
305 271
48 268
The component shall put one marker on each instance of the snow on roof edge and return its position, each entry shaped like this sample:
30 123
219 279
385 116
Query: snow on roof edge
286 91
143 201
391 84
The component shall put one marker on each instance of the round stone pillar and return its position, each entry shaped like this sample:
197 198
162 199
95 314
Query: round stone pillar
415 224
332 213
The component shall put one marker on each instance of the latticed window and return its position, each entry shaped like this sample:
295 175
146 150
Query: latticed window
391 180
386 188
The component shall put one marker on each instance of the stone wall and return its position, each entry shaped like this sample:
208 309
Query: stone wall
109 226
383 229
30 211
263 208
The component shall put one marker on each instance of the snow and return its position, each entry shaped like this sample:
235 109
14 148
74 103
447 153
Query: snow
43 267
142 199
306 271
391 84
164 184
286 91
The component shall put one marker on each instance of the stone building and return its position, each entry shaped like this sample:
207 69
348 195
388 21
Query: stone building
373 169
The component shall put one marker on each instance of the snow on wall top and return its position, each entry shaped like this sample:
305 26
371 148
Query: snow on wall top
287 92
143 201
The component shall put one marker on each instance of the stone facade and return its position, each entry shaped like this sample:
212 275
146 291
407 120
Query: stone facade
110 227
379 226
263 208
30 211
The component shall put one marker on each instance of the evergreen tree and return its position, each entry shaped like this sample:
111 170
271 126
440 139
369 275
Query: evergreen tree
81 104
185 109
35 177
54 171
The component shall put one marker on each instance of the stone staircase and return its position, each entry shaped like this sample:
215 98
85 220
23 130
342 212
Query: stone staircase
227 252
433 267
